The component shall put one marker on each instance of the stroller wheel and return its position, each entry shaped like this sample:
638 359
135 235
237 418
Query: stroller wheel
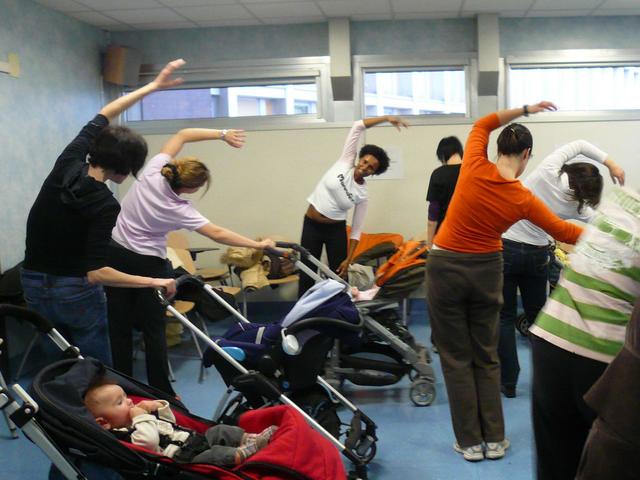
422 392
522 324
369 454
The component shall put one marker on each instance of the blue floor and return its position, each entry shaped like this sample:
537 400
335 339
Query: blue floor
415 442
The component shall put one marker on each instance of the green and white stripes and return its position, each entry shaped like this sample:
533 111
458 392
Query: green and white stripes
588 311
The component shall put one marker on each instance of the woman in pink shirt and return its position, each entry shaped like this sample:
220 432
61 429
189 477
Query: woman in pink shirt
152 208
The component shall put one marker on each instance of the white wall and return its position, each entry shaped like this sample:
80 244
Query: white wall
261 189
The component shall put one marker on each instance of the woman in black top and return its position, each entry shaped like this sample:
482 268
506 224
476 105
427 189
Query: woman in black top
442 183
70 223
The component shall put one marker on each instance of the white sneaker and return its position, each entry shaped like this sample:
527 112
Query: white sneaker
496 450
470 454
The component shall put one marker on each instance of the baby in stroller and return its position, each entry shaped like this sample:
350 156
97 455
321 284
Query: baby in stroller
151 424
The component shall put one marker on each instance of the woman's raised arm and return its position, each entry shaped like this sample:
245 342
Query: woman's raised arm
234 138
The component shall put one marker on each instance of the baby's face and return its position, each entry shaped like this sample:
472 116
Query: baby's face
114 406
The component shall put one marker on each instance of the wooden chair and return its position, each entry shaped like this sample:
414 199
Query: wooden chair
178 240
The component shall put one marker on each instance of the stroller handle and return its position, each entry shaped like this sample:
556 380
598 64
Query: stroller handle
324 322
22 313
180 282
293 246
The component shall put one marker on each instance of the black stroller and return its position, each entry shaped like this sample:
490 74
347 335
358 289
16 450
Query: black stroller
54 417
259 372
389 351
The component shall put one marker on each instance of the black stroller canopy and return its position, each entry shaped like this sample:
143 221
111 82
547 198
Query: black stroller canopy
59 389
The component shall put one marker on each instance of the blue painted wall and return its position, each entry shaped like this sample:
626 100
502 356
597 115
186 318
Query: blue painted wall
523 34
414 37
204 46
59 89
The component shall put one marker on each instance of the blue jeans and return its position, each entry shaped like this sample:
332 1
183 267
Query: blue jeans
526 267
76 308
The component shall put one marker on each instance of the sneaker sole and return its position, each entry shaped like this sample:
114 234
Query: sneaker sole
468 458
489 455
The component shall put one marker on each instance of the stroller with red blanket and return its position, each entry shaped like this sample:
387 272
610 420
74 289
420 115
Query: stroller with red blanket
54 417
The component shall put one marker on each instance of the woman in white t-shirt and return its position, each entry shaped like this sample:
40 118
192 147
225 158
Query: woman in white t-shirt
571 191
151 209
339 190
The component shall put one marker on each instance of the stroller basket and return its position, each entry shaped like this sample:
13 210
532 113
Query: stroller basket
396 343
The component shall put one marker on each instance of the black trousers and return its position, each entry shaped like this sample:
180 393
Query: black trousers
561 418
525 267
315 235
129 308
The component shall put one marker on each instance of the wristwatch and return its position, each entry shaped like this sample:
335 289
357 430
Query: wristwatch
524 107
223 134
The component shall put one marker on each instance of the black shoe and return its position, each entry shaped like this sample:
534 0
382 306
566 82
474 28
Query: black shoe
508 391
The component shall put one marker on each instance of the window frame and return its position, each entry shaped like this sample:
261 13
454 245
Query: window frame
568 59
392 63
246 73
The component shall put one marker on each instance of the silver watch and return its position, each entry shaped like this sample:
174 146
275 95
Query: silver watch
223 134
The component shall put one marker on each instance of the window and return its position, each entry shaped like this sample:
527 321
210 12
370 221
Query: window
585 84
282 92
577 88
259 100
415 92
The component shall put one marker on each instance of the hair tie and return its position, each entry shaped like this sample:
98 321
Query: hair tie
175 180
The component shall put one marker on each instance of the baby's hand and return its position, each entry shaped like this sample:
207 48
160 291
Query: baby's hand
136 412
149 405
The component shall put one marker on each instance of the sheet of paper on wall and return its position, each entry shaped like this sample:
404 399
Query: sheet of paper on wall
396 165
11 66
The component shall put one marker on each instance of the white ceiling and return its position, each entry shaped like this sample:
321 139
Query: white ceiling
120 15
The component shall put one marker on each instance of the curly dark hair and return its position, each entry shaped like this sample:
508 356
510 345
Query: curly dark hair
379 154
119 149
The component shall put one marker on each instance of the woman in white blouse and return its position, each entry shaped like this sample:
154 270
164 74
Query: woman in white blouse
340 189
571 191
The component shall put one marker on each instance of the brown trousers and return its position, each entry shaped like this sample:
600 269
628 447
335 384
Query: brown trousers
464 295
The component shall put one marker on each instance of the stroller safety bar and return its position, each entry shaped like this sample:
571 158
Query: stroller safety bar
308 323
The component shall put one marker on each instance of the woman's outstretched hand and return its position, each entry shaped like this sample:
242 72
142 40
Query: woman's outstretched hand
543 106
397 122
164 80
267 243
615 170
235 138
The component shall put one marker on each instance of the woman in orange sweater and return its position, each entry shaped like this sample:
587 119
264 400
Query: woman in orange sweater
464 276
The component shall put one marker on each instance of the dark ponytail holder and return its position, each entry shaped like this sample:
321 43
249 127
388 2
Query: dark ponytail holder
175 180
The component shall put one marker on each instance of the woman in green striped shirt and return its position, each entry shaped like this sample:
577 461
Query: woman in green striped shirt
581 329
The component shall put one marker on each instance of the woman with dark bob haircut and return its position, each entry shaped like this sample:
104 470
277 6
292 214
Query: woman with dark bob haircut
464 276
69 226
571 191
340 189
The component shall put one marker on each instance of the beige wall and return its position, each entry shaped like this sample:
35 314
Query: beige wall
261 189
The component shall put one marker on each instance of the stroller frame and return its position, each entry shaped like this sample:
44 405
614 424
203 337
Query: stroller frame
422 391
356 453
